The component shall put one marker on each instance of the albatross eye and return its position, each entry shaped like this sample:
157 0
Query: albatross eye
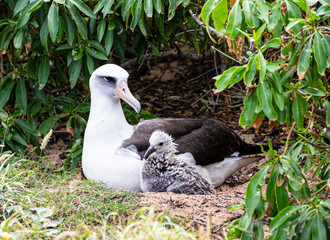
110 79
161 144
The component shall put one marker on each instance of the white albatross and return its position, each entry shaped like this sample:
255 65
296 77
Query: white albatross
113 148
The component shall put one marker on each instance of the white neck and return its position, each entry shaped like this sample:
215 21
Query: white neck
106 125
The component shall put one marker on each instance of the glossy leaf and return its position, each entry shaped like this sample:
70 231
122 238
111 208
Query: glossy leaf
108 41
227 77
328 114
282 198
234 21
26 126
262 67
293 12
250 103
273 43
44 71
265 98
248 13
22 20
48 124
82 28
69 28
283 216
137 9
219 15
96 54
74 72
253 191
319 53
19 6
83 7
148 7
304 58
53 22
250 72
297 111
21 95
159 6
18 39
318 228
101 29
107 7
5 92
126 6
263 8
171 9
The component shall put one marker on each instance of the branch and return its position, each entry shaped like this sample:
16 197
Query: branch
211 29
316 145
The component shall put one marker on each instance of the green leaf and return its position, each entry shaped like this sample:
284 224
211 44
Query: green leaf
136 12
90 64
159 6
250 103
125 7
250 72
302 4
274 43
253 191
280 218
74 72
248 13
21 96
19 6
44 34
282 197
101 29
96 54
107 7
5 92
82 28
44 70
22 20
279 99
262 66
293 12
265 98
328 114
305 58
53 21
108 41
69 28
83 7
148 7
19 139
234 21
34 6
318 229
171 9
219 15
25 126
319 53
263 8
294 23
48 124
18 39
297 111
228 77
97 46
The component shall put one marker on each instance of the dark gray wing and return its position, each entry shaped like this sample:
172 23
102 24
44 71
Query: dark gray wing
208 140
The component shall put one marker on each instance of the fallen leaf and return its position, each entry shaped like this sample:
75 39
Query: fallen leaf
70 130
257 123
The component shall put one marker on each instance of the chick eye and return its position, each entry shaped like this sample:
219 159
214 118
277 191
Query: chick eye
161 144
110 79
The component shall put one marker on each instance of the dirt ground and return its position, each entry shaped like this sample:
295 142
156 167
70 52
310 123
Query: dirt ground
184 89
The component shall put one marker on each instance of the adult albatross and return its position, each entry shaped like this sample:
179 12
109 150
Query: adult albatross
113 148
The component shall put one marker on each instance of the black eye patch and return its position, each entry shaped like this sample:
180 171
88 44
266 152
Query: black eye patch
110 79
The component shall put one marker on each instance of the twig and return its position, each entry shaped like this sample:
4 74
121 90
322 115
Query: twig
200 23
201 97
288 138
227 56
204 73
316 145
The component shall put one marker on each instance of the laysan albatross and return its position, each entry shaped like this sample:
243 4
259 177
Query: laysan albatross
113 148
163 171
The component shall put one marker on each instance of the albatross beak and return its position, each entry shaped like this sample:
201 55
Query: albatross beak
150 150
124 93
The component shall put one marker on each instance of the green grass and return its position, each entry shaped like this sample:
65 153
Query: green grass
38 203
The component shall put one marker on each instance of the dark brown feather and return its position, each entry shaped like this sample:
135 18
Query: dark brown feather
208 140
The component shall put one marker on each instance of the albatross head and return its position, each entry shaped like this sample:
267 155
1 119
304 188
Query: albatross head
160 142
110 80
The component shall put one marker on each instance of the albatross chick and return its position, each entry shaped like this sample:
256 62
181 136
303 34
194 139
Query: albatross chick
162 171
